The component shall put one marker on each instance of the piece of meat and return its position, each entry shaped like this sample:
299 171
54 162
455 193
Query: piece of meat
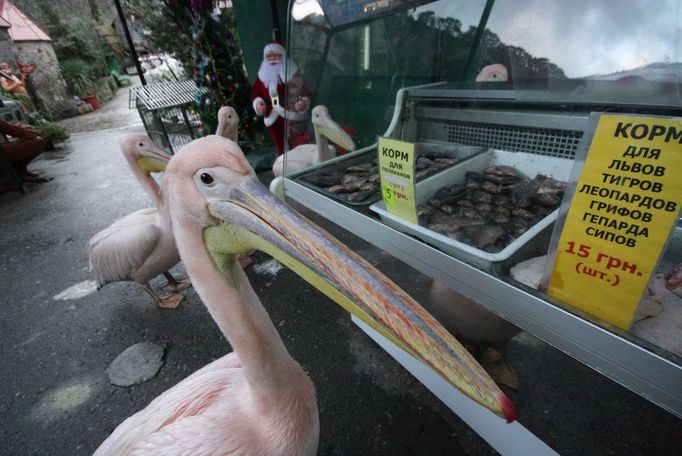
530 272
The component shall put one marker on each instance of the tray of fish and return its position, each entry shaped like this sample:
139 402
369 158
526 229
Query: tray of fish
485 208
356 181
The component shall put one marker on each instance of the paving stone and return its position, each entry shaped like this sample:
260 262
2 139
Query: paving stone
137 364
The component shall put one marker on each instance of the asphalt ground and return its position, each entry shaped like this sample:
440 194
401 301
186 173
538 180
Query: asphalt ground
57 340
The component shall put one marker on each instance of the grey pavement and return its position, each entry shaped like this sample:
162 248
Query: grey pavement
59 336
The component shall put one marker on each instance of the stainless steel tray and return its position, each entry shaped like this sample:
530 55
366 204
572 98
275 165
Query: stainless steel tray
340 165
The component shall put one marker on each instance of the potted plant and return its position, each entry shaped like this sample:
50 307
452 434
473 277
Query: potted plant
51 132
77 75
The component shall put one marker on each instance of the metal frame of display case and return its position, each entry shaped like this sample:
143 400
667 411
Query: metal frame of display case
637 365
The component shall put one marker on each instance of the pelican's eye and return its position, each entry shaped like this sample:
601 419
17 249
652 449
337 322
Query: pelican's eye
140 144
206 178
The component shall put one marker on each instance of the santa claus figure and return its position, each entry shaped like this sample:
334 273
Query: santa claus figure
279 94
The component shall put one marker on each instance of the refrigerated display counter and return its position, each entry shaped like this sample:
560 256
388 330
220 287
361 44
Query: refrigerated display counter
486 84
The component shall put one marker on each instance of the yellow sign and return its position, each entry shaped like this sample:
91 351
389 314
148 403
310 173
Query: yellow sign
623 210
396 169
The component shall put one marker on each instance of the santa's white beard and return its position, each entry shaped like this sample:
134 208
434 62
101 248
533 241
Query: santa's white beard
273 74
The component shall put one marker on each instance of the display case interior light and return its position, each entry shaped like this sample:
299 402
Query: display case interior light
366 43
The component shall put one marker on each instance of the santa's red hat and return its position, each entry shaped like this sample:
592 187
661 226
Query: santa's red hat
276 47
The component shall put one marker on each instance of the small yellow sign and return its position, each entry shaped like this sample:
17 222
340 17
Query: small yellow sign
624 207
396 169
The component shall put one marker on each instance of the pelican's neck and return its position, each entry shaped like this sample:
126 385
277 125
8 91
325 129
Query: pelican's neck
239 314
220 129
231 133
324 152
146 181
226 131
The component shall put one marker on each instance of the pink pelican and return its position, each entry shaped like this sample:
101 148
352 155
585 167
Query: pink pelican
228 127
140 246
488 333
258 400
306 155
228 123
493 73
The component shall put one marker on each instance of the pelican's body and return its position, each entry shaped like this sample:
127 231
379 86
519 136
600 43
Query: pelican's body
139 246
208 409
259 401
489 333
307 155
664 328
464 317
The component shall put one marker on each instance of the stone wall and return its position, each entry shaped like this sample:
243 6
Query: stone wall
46 82
7 50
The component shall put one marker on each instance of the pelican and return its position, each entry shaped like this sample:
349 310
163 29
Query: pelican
258 400
488 333
228 127
493 73
228 123
140 246
306 155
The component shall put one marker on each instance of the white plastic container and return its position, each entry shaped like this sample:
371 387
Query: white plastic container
529 164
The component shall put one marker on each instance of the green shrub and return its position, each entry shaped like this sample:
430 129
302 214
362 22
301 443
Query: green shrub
25 100
78 76
51 132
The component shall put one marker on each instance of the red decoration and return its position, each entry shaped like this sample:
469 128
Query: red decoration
26 68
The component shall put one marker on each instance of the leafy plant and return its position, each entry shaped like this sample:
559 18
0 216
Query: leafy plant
51 132
23 99
35 118
78 76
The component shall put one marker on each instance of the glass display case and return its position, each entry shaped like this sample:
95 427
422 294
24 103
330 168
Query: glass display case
477 84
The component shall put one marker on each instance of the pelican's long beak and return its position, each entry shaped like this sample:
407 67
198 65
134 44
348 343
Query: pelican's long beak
153 161
253 218
333 131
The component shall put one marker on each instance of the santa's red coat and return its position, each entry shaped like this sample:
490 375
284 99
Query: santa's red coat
297 129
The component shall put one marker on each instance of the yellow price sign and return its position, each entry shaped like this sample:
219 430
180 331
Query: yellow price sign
396 169
624 207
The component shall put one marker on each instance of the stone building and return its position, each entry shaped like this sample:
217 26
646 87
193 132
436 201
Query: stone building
28 43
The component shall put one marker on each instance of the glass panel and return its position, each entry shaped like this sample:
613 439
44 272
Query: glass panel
523 55
552 52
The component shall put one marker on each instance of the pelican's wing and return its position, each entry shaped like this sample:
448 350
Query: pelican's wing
117 251
198 436
188 399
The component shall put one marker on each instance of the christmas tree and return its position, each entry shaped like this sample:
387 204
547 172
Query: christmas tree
219 68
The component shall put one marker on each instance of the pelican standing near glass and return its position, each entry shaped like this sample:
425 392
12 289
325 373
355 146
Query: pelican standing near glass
140 246
305 155
258 400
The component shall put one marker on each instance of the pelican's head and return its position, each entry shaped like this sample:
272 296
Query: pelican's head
228 114
325 126
493 73
228 123
205 170
141 151
211 181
